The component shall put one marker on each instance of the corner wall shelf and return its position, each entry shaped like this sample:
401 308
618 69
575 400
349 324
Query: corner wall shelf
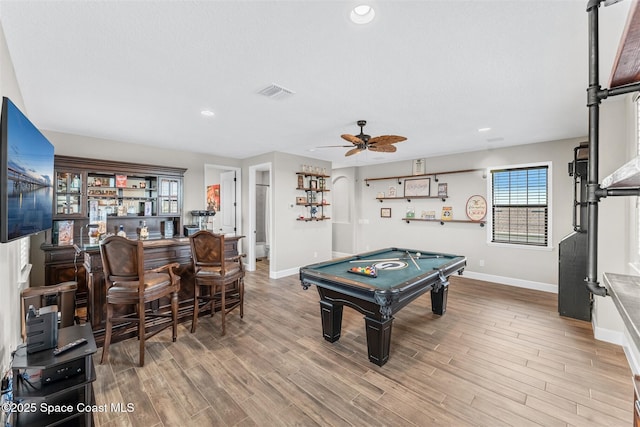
408 220
307 219
315 186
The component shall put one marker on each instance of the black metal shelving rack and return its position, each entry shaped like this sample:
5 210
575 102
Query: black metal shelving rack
595 94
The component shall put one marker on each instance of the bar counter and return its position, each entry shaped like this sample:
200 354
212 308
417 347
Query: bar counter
625 292
157 252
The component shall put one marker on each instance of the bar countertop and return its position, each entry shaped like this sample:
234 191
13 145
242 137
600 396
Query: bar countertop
625 292
152 243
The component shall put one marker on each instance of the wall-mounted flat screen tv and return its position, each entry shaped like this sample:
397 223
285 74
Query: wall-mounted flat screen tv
26 176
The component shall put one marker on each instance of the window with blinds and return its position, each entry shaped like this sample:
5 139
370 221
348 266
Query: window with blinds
520 205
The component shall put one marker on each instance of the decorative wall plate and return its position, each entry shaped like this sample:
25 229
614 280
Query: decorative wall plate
476 208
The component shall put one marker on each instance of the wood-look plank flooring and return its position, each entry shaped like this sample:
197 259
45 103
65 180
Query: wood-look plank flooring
500 356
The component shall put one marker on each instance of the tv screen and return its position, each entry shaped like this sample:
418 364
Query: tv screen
26 176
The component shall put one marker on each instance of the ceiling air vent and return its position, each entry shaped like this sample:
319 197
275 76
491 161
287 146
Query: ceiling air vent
274 91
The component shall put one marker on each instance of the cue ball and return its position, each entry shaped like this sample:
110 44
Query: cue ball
418 254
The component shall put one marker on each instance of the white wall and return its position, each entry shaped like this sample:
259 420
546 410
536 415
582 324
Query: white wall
617 135
530 267
344 228
297 243
9 252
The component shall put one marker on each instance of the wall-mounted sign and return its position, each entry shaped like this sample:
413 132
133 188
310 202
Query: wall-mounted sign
476 208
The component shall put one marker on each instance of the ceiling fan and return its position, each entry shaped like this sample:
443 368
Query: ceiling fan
363 142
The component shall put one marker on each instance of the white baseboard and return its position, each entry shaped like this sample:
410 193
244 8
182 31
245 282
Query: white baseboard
608 335
632 359
296 270
340 255
284 273
527 284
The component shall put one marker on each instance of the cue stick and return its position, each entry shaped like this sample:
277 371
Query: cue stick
414 261
395 259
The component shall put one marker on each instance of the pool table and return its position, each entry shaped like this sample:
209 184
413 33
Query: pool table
401 275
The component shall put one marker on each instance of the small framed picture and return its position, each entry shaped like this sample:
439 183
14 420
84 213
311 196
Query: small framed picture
385 212
313 184
392 191
300 181
419 167
121 181
442 189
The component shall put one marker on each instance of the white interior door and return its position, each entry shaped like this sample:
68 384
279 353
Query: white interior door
226 217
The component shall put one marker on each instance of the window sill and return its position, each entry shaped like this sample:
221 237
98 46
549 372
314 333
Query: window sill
516 246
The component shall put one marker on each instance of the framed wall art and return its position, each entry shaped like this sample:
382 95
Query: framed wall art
385 212
442 189
418 187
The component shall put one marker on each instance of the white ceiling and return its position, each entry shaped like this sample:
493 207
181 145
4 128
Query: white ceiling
433 71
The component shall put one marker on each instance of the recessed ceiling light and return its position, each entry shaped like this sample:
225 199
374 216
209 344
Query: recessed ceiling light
207 113
362 14
484 129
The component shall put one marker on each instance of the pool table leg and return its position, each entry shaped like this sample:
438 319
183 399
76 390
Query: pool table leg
378 339
439 299
331 320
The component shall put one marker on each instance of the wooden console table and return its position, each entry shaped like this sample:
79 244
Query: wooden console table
156 253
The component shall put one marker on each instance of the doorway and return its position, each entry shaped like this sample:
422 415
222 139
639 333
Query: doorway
226 180
260 242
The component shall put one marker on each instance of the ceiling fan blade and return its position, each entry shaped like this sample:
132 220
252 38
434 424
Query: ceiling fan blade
353 151
352 139
386 139
383 148
329 146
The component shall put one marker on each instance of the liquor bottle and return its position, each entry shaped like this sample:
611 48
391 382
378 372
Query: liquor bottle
121 231
144 231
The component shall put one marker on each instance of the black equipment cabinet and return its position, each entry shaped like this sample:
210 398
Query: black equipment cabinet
574 298
60 384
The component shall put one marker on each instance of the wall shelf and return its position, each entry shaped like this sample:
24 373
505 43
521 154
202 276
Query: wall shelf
408 220
314 186
317 190
399 178
626 176
408 199
307 219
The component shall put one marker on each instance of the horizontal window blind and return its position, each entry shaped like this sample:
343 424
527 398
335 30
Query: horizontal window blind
520 206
